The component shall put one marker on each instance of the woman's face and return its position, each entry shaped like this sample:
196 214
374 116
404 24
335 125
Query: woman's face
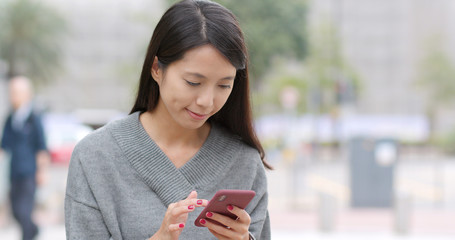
195 87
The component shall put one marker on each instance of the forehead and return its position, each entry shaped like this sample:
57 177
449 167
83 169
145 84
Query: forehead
20 85
206 60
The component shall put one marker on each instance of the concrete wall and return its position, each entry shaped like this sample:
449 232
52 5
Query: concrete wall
103 53
384 40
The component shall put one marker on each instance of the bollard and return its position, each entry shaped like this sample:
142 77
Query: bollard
327 212
402 212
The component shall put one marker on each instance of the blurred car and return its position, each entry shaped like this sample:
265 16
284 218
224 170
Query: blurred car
63 132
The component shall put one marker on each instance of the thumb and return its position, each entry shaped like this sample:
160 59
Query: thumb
192 195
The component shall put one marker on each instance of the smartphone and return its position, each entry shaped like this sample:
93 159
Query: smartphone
223 198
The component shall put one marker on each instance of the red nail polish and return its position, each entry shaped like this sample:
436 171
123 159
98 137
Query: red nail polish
202 221
190 207
230 207
209 214
181 225
199 202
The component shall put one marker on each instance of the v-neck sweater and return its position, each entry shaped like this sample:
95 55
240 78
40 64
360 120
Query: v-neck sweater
120 182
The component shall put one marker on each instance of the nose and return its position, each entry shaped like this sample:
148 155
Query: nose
205 98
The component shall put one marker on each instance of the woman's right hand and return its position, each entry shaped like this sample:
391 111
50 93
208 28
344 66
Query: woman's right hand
176 215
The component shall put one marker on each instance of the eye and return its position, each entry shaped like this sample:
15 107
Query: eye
225 86
192 83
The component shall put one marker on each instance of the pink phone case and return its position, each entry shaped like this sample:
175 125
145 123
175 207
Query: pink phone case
222 199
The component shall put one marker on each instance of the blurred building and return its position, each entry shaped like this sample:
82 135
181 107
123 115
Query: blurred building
384 41
103 53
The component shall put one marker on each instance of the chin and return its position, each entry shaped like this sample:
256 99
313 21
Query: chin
193 125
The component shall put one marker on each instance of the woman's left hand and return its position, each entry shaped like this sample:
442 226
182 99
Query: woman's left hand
235 229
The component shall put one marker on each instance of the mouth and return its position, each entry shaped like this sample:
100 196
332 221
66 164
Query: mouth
196 116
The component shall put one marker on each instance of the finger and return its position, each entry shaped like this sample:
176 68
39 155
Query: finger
225 220
218 236
220 230
242 215
178 211
176 227
192 195
193 201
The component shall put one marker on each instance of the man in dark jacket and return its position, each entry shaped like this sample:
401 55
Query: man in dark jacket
23 138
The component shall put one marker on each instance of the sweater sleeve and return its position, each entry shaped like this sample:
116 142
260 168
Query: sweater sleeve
6 142
40 137
83 219
260 222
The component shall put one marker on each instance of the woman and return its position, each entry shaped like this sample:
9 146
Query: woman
189 134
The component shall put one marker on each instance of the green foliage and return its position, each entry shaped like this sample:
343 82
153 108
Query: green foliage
30 38
447 142
272 28
436 76
317 79
437 73
269 93
326 67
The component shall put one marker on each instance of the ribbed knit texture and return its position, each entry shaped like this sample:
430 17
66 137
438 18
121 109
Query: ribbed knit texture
120 182
170 183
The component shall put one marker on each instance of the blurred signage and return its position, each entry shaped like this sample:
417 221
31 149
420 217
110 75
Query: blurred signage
327 129
386 153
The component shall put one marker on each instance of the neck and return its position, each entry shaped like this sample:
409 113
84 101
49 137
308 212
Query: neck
166 132
21 106
23 109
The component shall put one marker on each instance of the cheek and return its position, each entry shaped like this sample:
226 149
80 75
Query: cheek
222 99
174 94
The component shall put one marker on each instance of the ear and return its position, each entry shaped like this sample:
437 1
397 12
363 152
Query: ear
156 71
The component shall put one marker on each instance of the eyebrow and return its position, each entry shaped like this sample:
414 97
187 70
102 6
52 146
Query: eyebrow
198 75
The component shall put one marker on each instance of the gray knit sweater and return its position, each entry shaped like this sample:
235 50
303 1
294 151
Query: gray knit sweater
120 183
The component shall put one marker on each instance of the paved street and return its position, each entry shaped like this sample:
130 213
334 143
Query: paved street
57 232
296 213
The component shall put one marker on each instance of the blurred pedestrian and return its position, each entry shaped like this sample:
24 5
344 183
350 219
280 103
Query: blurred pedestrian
23 138
189 134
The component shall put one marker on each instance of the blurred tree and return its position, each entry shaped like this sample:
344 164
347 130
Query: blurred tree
285 74
447 142
325 79
329 76
436 76
272 28
332 82
30 39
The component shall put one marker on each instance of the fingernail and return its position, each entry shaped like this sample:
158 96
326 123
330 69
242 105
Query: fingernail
190 207
209 214
230 207
199 202
202 221
181 225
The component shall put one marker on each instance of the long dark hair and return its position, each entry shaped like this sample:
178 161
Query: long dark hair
192 23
